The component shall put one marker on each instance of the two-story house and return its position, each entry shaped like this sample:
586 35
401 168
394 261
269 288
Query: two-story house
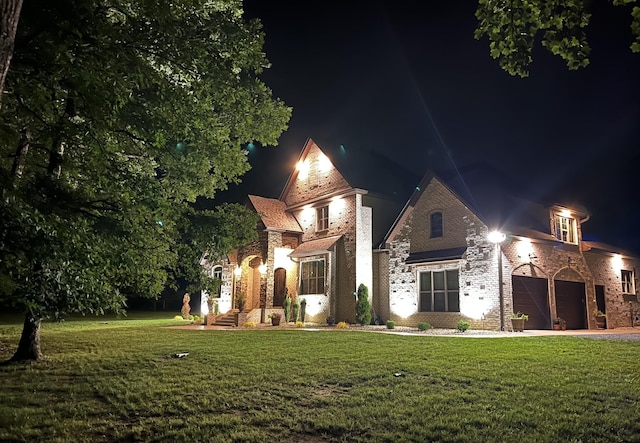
469 249
315 242
462 248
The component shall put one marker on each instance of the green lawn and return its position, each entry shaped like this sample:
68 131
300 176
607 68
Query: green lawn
115 380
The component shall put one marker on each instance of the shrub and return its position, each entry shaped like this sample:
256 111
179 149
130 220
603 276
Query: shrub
249 324
295 310
299 324
303 309
462 325
424 326
391 324
363 308
342 325
287 306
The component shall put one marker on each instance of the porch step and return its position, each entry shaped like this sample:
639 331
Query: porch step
228 319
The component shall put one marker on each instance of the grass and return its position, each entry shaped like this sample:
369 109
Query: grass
117 380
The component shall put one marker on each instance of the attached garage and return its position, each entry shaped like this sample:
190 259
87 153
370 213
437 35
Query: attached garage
571 303
531 297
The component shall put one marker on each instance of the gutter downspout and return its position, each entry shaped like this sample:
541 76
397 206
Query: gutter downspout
500 286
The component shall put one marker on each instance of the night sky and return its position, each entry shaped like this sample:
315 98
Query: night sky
408 82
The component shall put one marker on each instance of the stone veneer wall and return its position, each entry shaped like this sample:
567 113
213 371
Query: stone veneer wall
553 261
622 310
274 240
479 278
479 300
224 301
479 283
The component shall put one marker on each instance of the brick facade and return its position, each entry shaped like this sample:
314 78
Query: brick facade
542 257
489 275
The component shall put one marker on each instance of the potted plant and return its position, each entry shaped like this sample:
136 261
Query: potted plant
559 324
517 321
601 319
275 318
240 302
212 304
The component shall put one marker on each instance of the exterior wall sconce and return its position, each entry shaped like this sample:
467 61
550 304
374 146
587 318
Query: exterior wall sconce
496 237
262 268
237 271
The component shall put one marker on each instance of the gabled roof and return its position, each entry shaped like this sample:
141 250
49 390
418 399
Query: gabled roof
273 215
315 247
437 255
362 168
494 198
604 247
308 146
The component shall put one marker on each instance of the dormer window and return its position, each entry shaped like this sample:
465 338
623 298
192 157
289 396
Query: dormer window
627 282
565 228
435 222
322 218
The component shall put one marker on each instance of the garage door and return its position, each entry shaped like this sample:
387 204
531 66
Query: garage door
570 303
530 296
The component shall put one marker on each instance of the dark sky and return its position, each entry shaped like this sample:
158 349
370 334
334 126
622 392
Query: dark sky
408 81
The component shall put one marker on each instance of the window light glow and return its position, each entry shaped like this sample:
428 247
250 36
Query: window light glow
324 164
337 204
524 248
565 213
314 304
473 307
303 169
281 258
616 262
404 307
262 268
237 271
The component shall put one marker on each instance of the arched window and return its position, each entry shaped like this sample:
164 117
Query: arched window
216 272
435 223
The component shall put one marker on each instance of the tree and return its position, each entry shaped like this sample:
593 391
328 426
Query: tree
9 16
513 25
363 307
118 115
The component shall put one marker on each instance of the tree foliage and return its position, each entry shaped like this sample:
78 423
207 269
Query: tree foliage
512 27
117 116
363 307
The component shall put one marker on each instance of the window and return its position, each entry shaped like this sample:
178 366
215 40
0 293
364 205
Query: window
436 224
439 291
627 282
312 277
322 218
216 273
566 229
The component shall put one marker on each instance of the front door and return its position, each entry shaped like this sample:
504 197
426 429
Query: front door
279 286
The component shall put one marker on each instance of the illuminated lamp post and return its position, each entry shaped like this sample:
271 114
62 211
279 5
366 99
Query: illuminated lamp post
497 237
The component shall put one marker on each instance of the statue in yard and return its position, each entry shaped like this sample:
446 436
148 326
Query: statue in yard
185 306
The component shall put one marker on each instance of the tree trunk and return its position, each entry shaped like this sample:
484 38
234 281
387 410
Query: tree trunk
21 154
29 346
9 16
